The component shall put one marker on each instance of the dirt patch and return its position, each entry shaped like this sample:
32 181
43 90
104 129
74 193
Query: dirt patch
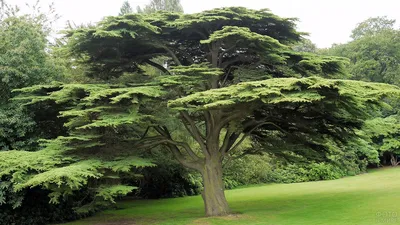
231 217
117 222
123 222
201 221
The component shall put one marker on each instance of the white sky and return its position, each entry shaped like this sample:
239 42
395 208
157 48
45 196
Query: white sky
327 21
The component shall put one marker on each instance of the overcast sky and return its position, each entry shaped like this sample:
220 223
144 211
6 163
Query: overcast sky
327 21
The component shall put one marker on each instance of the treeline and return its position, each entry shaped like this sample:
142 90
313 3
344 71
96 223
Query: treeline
163 104
374 56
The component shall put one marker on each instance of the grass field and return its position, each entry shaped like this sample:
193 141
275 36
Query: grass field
372 198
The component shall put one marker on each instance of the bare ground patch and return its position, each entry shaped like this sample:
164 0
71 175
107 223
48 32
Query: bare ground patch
122 222
231 217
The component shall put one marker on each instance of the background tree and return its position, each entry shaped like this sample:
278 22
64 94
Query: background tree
161 5
384 133
232 78
125 8
305 45
23 62
374 55
372 26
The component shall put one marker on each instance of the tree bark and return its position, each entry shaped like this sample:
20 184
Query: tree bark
213 194
393 160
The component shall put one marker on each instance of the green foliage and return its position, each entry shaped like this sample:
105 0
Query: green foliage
383 134
285 91
23 59
108 193
374 54
86 157
372 26
23 62
36 209
293 173
120 34
250 169
168 179
305 45
16 129
243 37
257 169
73 176
51 170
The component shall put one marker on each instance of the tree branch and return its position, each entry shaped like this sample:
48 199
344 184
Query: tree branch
165 138
181 159
172 54
234 158
149 142
227 74
194 130
208 123
239 58
227 63
249 132
156 65
168 140
162 132
233 46
186 147
229 140
145 133
227 50
229 118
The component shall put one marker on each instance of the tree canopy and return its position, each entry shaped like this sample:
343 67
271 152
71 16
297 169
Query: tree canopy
372 26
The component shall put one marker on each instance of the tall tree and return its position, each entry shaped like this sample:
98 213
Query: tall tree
125 8
305 45
372 26
375 53
23 62
232 77
161 5
374 56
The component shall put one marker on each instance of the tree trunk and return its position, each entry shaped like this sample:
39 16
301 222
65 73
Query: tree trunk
213 194
393 160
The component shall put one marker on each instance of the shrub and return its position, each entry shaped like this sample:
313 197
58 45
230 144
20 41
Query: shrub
168 179
36 210
251 169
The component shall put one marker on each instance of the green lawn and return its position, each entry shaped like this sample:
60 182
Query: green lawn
372 198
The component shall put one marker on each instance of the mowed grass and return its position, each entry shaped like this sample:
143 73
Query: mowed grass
372 198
